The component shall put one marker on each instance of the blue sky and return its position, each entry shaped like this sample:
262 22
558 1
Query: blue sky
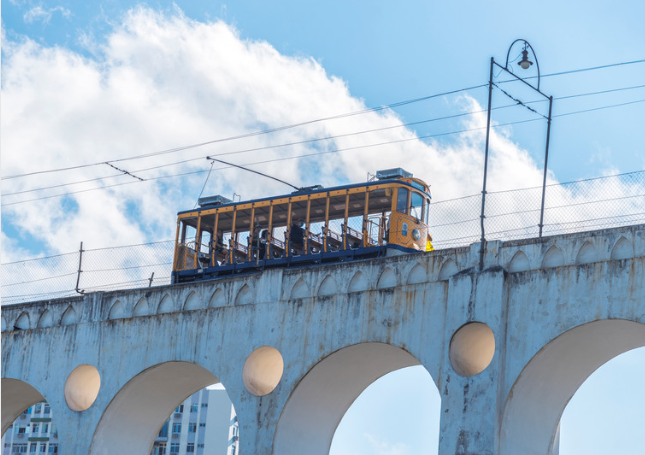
315 60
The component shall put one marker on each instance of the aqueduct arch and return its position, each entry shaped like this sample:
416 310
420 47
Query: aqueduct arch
319 402
17 396
547 383
133 418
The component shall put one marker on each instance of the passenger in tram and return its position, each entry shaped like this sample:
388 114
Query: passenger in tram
220 250
296 237
262 248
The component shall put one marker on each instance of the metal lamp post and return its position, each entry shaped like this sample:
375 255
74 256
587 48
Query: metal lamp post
525 63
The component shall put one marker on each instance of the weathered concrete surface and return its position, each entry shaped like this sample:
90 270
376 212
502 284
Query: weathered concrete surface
558 307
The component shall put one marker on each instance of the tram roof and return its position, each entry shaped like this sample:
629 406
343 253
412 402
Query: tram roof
306 191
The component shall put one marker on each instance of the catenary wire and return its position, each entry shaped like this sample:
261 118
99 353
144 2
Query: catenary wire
295 125
255 133
327 152
324 138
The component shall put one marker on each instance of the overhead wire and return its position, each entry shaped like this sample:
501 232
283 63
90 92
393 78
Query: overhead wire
579 70
326 152
254 133
402 125
295 125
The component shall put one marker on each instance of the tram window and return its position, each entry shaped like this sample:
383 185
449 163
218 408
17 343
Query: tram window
280 217
402 201
427 210
416 206
205 242
189 233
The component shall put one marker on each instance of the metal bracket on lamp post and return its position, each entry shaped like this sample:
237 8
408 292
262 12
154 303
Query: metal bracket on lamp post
524 64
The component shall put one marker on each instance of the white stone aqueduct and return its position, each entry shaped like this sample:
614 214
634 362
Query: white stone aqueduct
507 347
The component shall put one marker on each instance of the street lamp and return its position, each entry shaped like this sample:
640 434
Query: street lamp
525 64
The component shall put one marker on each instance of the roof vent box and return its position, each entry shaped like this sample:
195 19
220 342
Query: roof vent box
393 174
213 200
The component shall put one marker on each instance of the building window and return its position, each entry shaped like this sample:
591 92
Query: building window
34 428
43 448
190 447
192 427
32 448
47 410
37 408
174 447
180 408
194 407
20 448
202 425
200 446
53 448
163 433
176 428
45 428
204 405
21 429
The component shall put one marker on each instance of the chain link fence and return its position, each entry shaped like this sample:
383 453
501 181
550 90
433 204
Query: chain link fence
585 205
102 269
599 203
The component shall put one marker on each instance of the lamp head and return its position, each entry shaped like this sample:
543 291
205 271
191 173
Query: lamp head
525 63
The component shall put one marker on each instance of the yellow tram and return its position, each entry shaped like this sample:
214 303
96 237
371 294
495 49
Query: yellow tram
310 226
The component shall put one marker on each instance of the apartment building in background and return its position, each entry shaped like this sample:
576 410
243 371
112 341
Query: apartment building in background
204 424
32 432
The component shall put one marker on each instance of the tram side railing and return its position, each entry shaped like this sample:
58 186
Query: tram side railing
604 202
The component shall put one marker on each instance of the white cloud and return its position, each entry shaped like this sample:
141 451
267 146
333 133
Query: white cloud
163 81
38 13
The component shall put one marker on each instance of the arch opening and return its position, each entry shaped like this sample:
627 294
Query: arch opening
607 413
330 388
531 418
397 413
134 418
33 431
204 423
17 396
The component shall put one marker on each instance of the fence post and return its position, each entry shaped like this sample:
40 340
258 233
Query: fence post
546 161
482 216
80 263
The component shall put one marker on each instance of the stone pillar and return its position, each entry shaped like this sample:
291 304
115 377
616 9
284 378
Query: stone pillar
470 379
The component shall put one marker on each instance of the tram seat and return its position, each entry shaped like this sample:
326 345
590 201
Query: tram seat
334 240
354 237
277 248
315 243
240 252
204 259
